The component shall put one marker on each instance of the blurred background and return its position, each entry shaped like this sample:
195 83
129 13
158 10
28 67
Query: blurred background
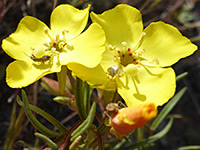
183 14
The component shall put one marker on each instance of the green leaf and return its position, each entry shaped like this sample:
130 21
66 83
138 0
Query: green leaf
193 147
181 76
86 124
47 140
34 121
44 114
168 107
151 139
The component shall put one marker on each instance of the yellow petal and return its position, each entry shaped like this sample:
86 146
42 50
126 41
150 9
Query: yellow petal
150 85
123 23
67 17
29 33
87 48
21 74
94 76
165 42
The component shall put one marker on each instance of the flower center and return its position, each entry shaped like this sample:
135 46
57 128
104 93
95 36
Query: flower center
130 58
52 48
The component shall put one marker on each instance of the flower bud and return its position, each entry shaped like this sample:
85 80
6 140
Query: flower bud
126 120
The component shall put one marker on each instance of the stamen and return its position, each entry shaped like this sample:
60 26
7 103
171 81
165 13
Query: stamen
117 59
64 32
140 52
57 37
140 41
155 60
118 51
111 47
124 43
46 44
130 54
129 49
53 49
32 49
47 33
142 37
123 55
61 45
125 46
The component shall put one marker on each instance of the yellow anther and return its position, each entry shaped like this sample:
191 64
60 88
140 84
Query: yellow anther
65 31
156 61
46 30
125 46
111 47
124 43
32 49
64 34
142 36
53 49
61 45
117 59
140 52
140 41
57 37
46 44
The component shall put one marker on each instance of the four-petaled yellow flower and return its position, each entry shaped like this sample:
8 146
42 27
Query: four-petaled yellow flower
136 61
40 50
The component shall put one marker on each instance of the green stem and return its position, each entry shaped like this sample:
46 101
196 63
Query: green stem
79 99
62 79
71 79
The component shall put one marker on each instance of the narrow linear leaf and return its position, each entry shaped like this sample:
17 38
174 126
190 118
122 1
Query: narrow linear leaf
192 147
75 144
34 121
151 139
10 133
47 140
24 144
44 114
86 124
166 110
119 144
181 76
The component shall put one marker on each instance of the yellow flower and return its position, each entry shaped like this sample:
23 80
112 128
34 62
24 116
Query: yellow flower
40 50
126 120
136 61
